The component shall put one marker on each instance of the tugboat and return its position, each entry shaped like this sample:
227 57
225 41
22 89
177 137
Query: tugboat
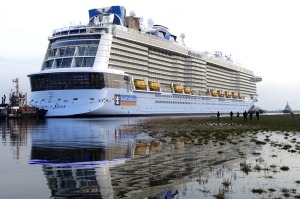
17 106
287 108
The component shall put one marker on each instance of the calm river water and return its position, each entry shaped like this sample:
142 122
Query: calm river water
102 158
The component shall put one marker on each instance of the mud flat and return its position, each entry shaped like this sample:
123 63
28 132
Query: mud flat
211 158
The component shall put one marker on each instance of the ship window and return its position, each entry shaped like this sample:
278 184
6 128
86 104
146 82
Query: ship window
66 63
88 62
81 37
62 52
74 31
75 43
78 61
90 51
64 33
49 64
81 51
58 62
53 52
70 51
62 81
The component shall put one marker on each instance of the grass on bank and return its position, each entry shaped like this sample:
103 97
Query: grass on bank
202 129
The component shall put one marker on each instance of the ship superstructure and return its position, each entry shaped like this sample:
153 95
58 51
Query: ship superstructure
116 66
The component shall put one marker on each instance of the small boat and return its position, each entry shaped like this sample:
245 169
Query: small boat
178 88
141 148
240 95
17 107
213 92
234 95
228 94
154 86
155 146
187 90
220 93
140 84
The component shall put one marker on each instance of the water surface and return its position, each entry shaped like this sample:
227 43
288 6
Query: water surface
106 158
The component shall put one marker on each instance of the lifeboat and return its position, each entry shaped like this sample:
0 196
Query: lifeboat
140 84
220 93
154 86
234 95
213 92
178 88
187 90
155 146
240 95
141 148
227 94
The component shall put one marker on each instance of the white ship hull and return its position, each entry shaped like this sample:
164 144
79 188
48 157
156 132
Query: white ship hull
118 102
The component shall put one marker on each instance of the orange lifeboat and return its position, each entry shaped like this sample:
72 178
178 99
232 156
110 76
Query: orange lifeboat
220 93
213 92
178 88
155 146
141 148
234 95
140 84
227 94
240 95
187 90
154 86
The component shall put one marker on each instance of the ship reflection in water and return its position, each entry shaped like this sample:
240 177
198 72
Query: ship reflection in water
106 158
83 159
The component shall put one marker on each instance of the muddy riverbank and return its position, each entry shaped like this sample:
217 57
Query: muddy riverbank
230 158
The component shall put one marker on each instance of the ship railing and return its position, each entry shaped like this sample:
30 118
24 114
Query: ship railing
94 29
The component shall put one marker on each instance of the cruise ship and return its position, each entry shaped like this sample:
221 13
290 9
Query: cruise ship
117 66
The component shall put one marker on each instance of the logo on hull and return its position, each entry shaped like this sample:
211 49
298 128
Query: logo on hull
125 100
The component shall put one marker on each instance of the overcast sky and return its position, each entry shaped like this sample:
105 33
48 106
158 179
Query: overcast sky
264 35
